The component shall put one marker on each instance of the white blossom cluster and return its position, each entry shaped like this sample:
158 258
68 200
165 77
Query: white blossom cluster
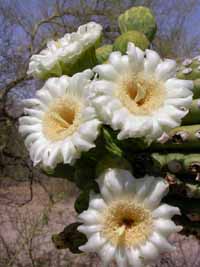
136 94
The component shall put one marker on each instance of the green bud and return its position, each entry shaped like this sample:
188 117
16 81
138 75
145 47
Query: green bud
138 38
103 52
138 19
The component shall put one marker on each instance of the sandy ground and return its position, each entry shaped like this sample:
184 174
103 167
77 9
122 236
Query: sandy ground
25 230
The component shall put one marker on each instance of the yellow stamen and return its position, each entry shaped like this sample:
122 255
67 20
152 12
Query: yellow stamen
126 222
140 94
62 118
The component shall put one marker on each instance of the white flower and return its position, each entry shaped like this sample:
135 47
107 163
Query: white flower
139 94
54 59
125 223
60 123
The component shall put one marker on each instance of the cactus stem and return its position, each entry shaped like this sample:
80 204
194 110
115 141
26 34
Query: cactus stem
193 117
180 138
179 163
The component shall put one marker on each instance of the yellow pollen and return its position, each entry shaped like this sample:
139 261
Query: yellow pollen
61 119
127 223
58 43
140 94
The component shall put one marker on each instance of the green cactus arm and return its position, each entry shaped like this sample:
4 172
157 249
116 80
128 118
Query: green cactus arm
140 19
193 117
190 70
196 89
178 163
138 38
181 138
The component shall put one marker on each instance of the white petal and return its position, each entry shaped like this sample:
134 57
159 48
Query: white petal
36 151
90 216
34 112
54 87
178 92
115 61
136 57
106 193
165 211
179 102
106 253
95 242
118 118
104 87
143 186
149 251
135 126
53 155
166 227
89 230
97 202
120 257
177 83
100 103
89 130
165 69
89 113
166 121
113 181
44 96
80 143
28 129
162 244
32 102
29 120
160 189
31 138
134 257
68 151
151 61
174 112
106 71
79 82
116 181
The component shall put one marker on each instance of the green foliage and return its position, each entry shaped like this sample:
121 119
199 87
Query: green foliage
69 238
138 38
82 202
112 161
61 171
111 141
138 19
103 52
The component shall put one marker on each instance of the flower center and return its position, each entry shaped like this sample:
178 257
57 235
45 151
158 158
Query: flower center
61 119
140 94
127 223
